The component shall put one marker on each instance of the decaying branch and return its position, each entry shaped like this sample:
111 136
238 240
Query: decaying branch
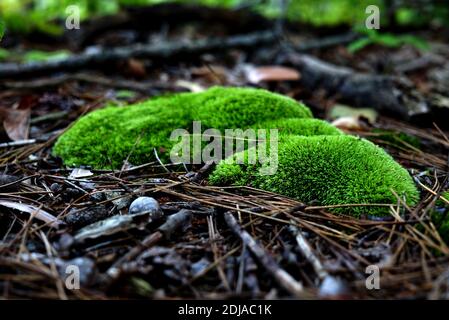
392 95
162 50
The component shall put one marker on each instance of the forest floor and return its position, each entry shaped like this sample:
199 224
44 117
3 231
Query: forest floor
206 248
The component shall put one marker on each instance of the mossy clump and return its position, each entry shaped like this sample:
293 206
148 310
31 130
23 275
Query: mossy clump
228 108
106 137
332 170
301 127
440 202
314 160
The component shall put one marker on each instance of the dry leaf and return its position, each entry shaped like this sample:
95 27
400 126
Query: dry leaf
136 68
348 123
80 173
340 110
271 73
32 210
211 74
16 123
192 86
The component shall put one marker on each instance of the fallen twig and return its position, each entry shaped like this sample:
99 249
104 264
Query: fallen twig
307 252
284 279
173 223
161 50
18 143
394 95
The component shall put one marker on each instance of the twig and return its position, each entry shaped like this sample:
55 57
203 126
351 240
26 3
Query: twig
160 162
173 223
203 172
284 279
326 42
18 143
307 252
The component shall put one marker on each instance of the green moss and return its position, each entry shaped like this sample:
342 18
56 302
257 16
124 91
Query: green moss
316 161
301 127
106 137
333 170
289 126
228 108
440 202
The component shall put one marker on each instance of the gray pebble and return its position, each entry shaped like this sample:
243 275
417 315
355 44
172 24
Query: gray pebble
146 205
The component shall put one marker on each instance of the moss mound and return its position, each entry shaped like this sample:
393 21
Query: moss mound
105 138
337 169
316 161
301 127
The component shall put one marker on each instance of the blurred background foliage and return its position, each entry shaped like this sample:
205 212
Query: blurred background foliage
23 16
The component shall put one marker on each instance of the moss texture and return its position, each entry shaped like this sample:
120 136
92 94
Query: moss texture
301 127
105 138
316 161
337 169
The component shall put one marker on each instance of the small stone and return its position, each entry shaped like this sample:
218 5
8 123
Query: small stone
146 205
56 187
332 287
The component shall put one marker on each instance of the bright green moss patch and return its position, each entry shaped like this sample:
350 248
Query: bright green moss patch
301 127
315 160
105 138
333 170
228 108
440 202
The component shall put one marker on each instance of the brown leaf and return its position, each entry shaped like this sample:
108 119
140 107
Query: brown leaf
17 123
136 68
348 123
271 73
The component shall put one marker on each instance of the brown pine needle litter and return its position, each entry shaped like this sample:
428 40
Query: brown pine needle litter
239 241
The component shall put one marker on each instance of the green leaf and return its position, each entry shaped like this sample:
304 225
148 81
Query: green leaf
2 28
389 40
4 54
359 44
37 55
416 42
